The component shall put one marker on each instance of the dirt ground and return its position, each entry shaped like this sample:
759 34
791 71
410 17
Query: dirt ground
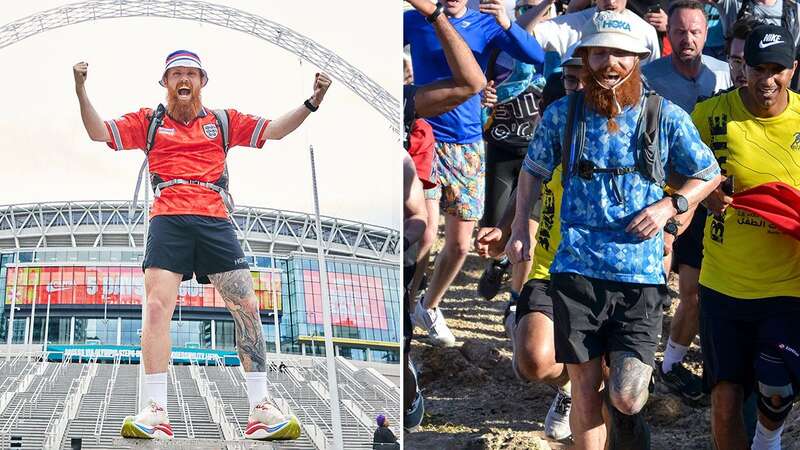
473 400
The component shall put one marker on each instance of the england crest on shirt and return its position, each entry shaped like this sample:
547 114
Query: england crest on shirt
210 130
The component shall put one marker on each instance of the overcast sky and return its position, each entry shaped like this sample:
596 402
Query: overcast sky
47 155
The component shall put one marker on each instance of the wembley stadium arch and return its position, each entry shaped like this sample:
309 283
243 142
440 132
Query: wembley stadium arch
72 270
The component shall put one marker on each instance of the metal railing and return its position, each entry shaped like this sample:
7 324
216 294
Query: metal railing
5 436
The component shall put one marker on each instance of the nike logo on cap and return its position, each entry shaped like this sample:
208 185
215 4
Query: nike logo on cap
769 40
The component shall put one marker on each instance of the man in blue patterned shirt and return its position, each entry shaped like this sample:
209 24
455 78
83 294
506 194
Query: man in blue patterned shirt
607 277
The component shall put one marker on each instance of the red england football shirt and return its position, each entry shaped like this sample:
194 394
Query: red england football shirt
190 151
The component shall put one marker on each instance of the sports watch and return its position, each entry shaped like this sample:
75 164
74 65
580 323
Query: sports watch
680 203
671 227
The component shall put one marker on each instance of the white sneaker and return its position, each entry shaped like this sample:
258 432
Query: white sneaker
432 321
266 423
152 422
556 424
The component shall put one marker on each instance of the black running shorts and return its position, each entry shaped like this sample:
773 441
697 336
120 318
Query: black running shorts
535 298
688 247
193 245
596 317
733 332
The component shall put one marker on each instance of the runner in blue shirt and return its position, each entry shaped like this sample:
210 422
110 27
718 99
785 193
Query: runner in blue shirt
607 279
459 148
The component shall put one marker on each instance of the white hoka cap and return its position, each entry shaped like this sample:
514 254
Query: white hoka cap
613 30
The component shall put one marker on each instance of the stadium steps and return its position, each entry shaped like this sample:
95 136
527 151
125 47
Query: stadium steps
123 403
30 412
312 405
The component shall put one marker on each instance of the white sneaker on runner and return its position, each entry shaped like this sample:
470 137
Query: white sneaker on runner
266 423
152 422
432 321
556 424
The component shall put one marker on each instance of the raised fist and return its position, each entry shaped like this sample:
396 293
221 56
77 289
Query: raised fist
321 84
80 71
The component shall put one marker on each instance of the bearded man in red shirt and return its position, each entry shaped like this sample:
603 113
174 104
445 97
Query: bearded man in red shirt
190 233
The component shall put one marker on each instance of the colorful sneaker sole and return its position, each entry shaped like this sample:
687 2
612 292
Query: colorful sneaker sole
132 429
286 430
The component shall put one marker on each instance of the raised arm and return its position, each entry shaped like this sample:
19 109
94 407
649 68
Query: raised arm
91 120
285 124
468 79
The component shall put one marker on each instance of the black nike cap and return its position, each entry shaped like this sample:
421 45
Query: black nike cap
769 44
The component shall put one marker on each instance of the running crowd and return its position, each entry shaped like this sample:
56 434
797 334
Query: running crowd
598 148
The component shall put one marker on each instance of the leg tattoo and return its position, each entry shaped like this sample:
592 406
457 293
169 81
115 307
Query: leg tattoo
236 288
629 382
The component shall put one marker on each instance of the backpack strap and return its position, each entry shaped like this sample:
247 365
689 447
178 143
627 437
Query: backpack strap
156 119
572 148
222 121
648 154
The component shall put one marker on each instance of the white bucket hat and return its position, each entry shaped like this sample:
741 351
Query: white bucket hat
183 58
613 30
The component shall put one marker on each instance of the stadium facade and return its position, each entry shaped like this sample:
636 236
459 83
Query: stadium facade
72 271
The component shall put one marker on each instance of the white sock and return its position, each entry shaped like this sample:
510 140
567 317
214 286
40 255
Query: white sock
767 439
155 388
674 353
256 387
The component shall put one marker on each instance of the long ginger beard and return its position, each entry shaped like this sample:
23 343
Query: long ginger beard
601 99
183 109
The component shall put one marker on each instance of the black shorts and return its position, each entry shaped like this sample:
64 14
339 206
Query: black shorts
733 332
193 245
535 298
596 317
502 171
688 247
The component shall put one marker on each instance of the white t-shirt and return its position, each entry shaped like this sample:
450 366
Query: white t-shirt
561 33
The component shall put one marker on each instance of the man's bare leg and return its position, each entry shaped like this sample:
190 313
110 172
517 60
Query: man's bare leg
161 287
265 421
457 243
236 288
684 325
586 418
727 423
425 245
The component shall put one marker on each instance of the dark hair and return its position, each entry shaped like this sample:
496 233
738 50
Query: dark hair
740 30
686 4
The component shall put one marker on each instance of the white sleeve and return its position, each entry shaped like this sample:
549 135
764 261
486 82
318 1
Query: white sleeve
560 33
652 43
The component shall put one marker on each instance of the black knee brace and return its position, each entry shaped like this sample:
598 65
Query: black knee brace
775 390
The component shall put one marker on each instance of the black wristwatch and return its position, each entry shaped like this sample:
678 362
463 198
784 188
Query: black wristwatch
680 203
435 14
310 107
671 227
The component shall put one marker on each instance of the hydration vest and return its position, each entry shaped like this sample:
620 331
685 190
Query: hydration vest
158 184
648 145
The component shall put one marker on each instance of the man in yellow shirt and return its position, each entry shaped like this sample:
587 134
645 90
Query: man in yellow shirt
750 278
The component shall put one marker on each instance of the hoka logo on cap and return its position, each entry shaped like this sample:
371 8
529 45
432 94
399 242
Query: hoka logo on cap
614 24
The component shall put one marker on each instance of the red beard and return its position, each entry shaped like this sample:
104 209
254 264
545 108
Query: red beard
183 111
601 100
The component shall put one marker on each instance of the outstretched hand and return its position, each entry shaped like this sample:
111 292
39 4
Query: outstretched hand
321 84
80 72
